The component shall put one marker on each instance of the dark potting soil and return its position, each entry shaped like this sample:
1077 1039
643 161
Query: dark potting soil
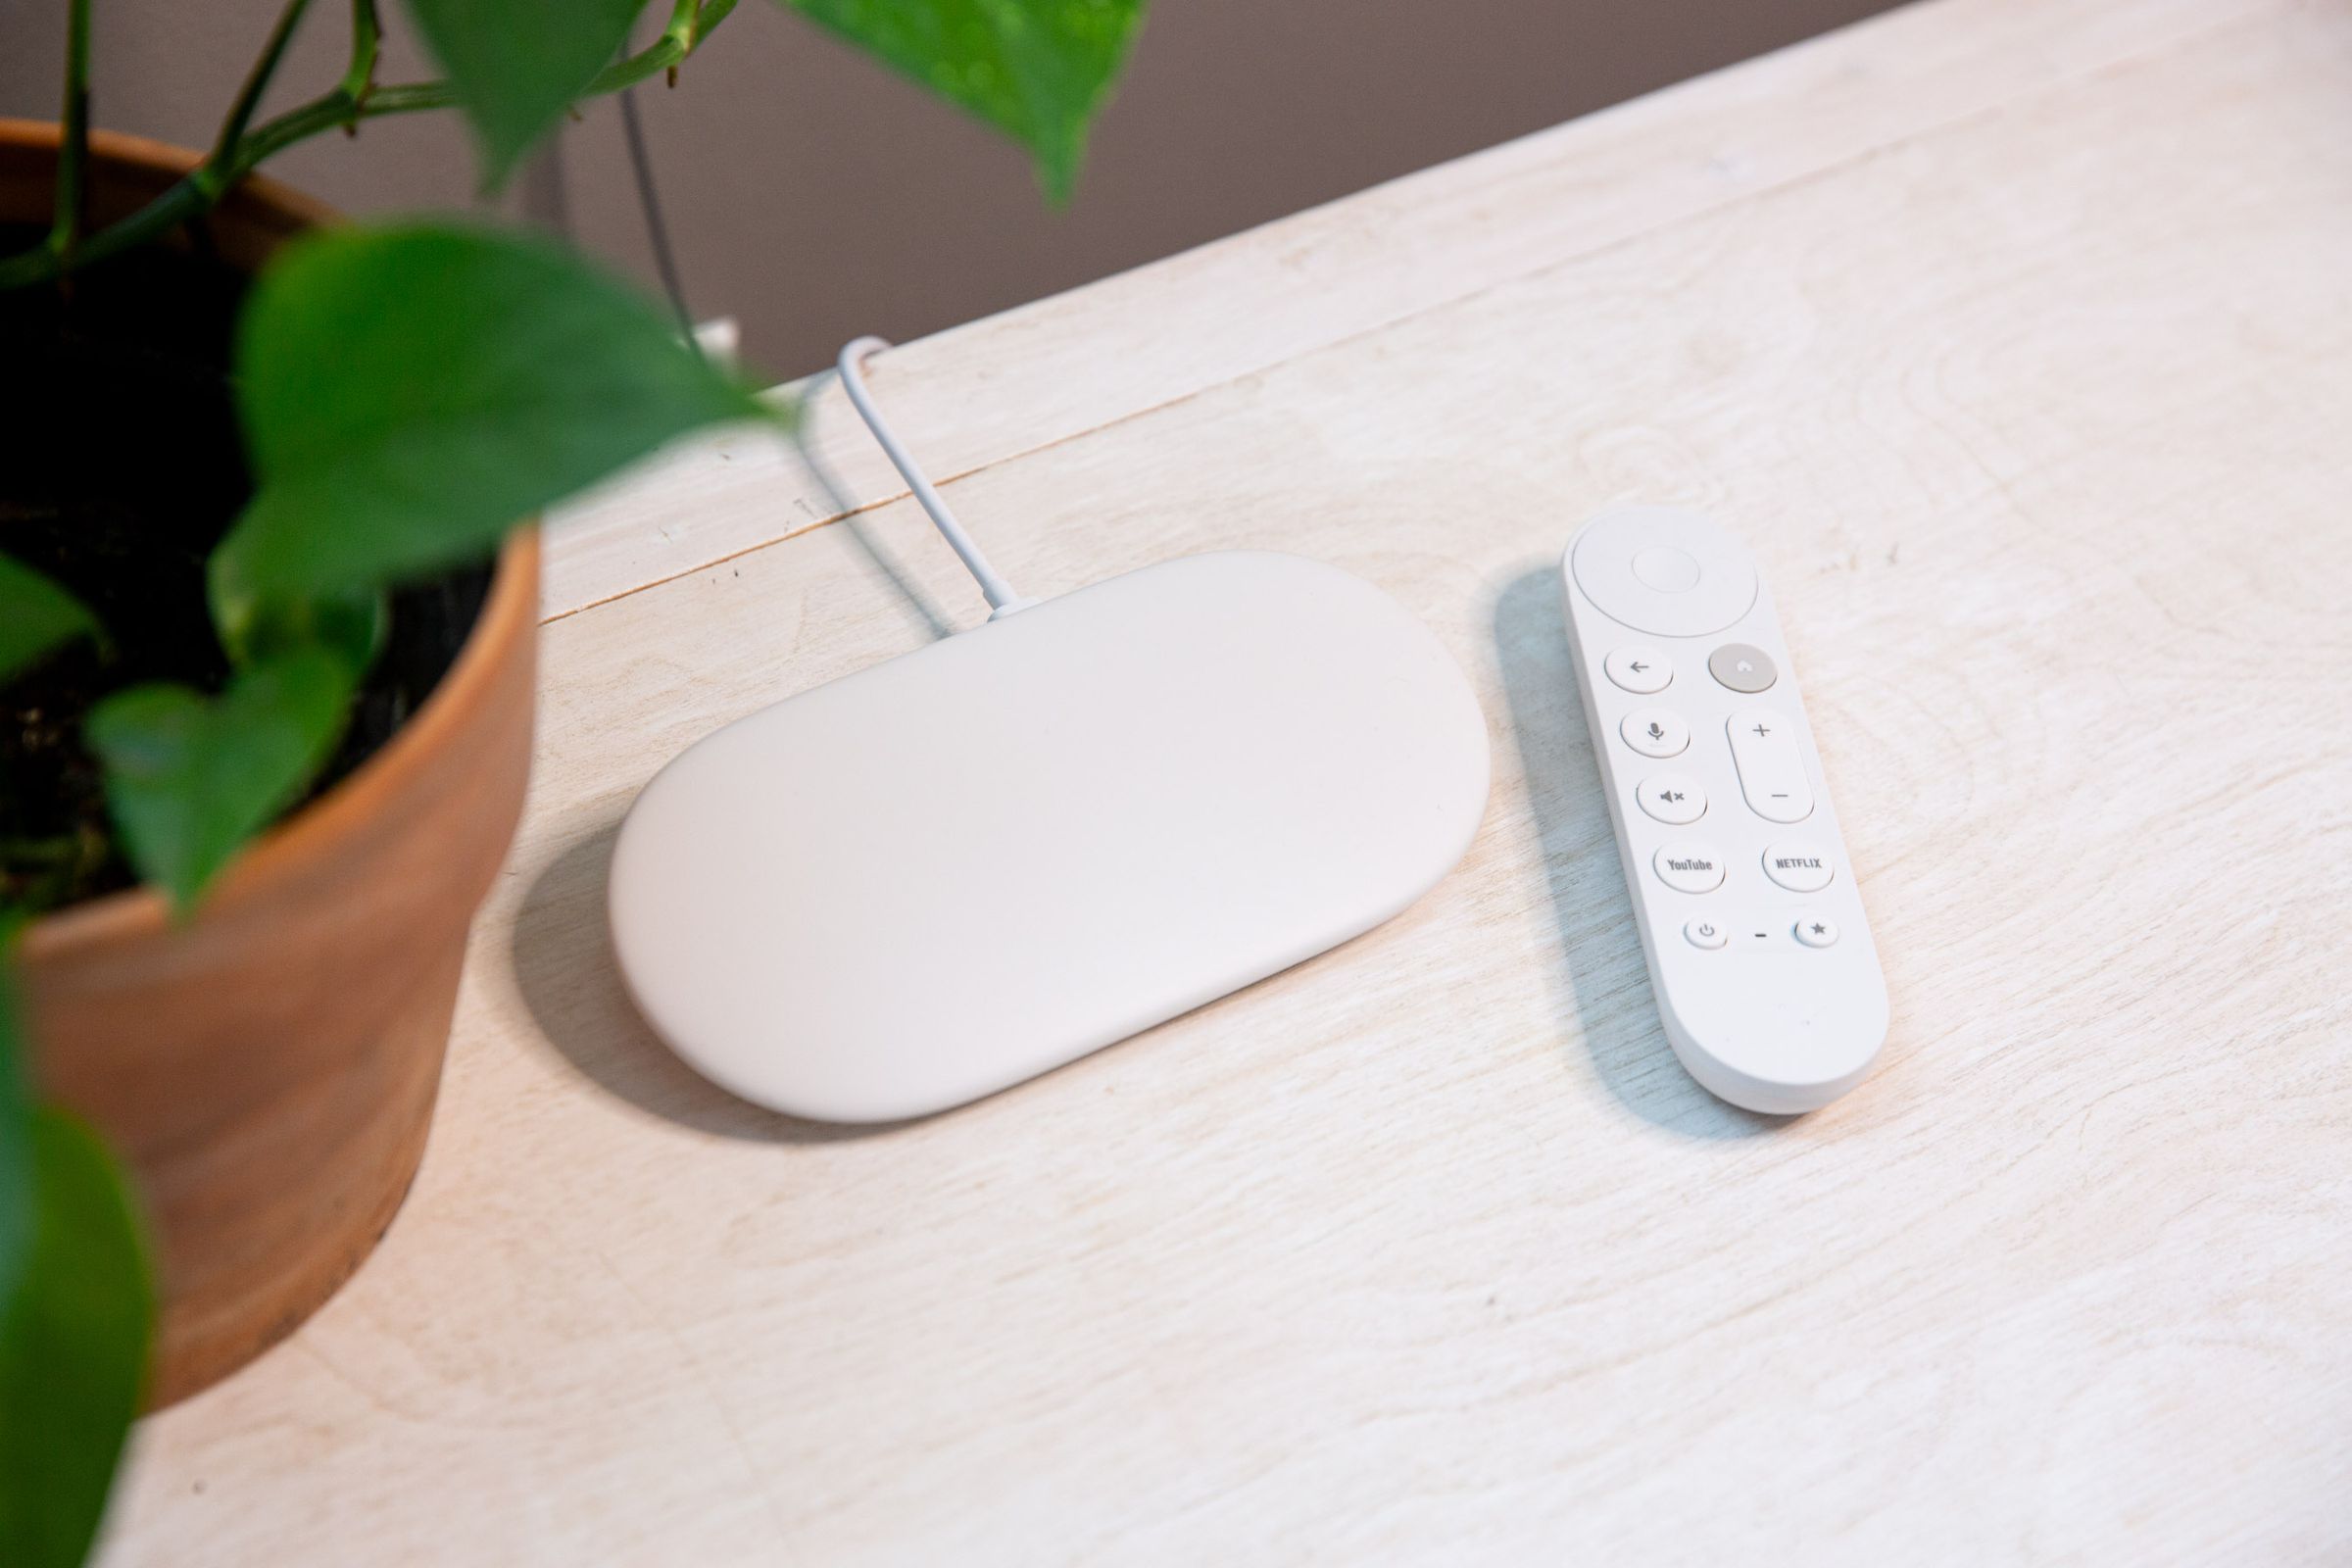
121 467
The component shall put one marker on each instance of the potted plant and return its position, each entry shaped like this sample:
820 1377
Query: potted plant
266 628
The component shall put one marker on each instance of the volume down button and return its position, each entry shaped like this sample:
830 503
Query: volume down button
1772 766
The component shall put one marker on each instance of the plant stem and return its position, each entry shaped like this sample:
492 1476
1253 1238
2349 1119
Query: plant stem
360 80
220 168
73 150
338 109
683 15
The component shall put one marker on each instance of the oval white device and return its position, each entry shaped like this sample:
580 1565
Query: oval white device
930 880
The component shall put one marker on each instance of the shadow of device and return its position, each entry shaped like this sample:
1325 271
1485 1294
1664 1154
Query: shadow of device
847 510
1604 980
564 967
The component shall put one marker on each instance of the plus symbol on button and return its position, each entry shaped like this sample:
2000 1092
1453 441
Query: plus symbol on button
1761 730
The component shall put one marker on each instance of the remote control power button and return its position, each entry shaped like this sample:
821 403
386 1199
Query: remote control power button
1798 865
1708 934
1655 732
1690 867
1638 670
1674 798
1743 666
1815 932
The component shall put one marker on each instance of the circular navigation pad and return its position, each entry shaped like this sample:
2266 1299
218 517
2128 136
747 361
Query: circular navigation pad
1664 570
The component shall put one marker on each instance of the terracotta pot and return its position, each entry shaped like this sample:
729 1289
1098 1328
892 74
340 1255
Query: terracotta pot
268 1069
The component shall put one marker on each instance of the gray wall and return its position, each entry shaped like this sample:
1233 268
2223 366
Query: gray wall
815 196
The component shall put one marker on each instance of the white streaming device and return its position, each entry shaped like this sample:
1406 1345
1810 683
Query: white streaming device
1759 956
913 886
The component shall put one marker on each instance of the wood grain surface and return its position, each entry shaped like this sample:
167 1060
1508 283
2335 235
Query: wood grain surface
2014 338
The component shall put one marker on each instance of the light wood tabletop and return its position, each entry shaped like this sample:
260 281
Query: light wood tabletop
2016 337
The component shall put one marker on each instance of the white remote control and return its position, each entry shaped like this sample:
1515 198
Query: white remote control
1759 956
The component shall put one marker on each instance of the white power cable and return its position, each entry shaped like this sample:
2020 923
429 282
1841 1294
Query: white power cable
1002 599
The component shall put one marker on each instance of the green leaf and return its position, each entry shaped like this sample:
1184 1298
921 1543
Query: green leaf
354 622
35 616
411 392
1037 70
73 1337
516 64
190 778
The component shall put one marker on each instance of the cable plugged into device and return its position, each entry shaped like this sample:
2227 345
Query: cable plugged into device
1002 600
